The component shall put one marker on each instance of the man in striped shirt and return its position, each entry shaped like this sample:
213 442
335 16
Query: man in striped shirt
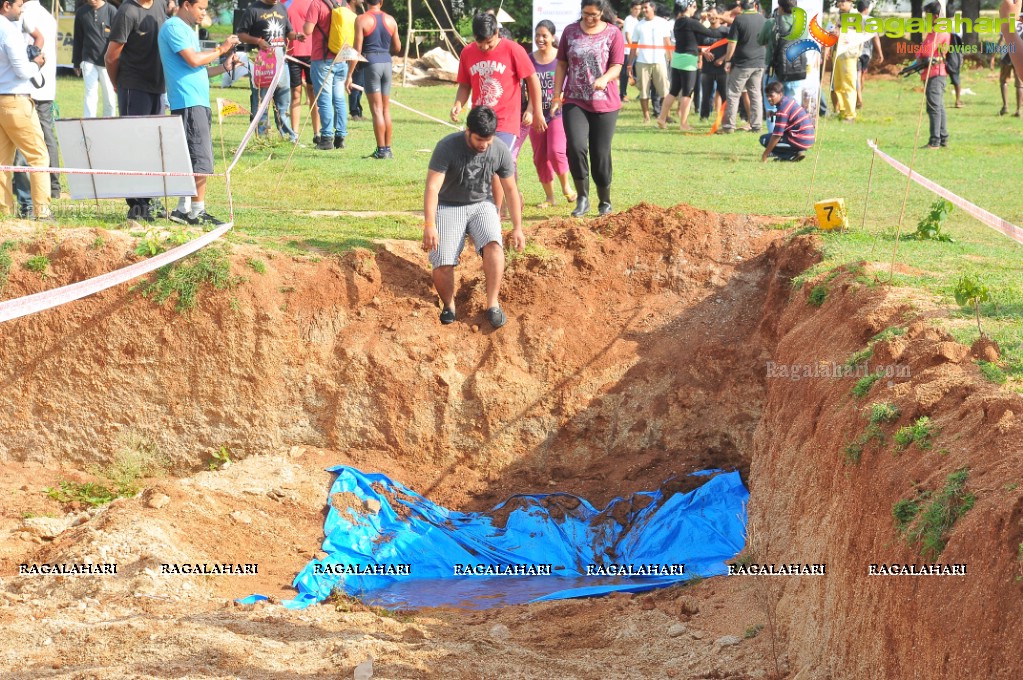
793 130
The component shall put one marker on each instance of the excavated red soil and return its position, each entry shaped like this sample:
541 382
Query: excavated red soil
635 352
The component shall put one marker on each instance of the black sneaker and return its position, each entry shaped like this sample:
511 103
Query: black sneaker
339 142
447 316
325 144
182 218
316 140
496 317
207 220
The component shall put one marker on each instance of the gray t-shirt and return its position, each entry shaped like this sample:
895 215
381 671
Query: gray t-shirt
468 174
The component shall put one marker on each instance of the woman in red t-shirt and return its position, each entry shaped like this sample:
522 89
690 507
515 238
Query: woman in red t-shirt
590 57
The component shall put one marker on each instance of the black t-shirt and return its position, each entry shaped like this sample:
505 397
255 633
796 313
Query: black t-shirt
745 29
269 22
137 29
686 31
717 52
468 174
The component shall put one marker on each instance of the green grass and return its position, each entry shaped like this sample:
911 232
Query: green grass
753 631
256 265
38 264
275 196
817 295
860 357
183 280
992 372
863 385
926 520
5 261
135 458
883 412
919 433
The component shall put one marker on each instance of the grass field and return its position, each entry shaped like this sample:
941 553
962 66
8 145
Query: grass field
274 191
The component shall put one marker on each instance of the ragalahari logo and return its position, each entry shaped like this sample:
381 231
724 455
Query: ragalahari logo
818 36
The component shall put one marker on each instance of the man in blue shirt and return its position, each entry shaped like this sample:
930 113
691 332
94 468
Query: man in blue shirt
188 90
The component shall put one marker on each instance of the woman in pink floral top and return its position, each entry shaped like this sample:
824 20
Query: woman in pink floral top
590 57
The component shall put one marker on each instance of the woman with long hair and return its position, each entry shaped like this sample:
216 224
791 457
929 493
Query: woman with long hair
590 58
549 154
684 62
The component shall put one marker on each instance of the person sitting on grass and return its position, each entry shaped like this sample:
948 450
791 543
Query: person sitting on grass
458 201
793 128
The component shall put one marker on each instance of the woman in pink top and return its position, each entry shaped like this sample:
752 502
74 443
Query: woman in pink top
590 57
549 146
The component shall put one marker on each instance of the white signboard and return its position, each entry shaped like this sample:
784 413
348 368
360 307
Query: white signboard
141 143
561 12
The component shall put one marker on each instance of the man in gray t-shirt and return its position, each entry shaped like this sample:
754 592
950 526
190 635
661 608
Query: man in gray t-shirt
458 201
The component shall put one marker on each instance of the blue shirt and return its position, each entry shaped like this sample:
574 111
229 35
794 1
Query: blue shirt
186 85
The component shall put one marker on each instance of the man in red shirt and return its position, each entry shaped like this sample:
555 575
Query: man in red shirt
935 48
300 78
492 70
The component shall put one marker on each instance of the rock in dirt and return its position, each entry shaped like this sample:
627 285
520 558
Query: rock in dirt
240 517
364 671
499 632
372 506
677 630
44 527
157 501
728 641
440 59
688 606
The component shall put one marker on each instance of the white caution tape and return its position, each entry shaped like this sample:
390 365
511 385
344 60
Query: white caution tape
87 171
47 299
988 218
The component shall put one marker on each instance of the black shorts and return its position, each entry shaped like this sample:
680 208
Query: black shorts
299 72
683 82
198 121
863 62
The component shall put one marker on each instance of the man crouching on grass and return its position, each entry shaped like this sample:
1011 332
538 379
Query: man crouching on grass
793 131
459 201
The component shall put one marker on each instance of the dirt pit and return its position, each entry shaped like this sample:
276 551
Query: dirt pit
634 355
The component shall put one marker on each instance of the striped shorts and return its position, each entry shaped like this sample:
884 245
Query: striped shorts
477 220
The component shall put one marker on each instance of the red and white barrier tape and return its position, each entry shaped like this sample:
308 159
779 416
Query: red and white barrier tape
47 299
988 218
85 171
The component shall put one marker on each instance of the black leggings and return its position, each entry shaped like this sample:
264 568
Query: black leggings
588 137
683 82
709 80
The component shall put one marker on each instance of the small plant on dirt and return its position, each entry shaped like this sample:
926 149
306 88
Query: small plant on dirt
992 372
818 294
929 228
745 560
38 264
926 520
969 291
220 458
532 251
89 493
179 235
5 261
863 385
883 412
854 451
149 245
753 631
918 433
904 512
888 334
255 265
136 458
860 357
97 243
184 279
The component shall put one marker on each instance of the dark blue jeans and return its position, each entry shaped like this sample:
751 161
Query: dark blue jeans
782 150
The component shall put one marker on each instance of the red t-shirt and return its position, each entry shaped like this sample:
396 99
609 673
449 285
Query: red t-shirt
496 80
319 14
297 10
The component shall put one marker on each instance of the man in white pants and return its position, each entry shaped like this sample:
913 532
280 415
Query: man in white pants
92 33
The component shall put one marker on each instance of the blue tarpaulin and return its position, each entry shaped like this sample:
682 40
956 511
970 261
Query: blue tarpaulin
646 532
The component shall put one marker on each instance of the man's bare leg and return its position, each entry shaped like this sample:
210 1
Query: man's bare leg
493 269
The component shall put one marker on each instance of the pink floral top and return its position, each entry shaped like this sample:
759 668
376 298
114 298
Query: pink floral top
588 58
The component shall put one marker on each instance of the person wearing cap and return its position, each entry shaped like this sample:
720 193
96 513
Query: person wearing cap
684 61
